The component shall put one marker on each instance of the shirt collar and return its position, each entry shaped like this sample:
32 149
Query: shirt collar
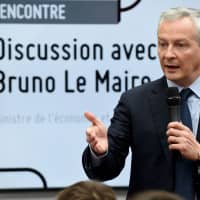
195 86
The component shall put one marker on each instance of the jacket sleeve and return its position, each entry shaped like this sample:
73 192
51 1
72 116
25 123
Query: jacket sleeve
111 165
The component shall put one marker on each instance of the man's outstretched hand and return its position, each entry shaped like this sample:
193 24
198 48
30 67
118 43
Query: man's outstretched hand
96 134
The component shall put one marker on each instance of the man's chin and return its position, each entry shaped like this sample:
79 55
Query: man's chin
178 80
172 77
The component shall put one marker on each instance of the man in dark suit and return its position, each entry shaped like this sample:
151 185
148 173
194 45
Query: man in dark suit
141 118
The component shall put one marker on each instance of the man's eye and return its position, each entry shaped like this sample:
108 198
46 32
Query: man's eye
181 45
162 44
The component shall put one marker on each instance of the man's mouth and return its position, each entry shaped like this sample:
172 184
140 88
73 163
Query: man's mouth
172 66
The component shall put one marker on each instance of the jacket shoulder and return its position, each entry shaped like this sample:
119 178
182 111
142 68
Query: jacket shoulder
153 86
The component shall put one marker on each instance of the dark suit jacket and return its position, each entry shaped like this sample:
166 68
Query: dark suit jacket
139 122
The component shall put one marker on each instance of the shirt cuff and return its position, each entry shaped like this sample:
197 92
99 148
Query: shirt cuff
97 159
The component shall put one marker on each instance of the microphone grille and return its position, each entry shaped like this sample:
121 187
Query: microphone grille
173 96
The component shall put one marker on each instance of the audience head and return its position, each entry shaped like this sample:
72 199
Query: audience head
155 195
87 190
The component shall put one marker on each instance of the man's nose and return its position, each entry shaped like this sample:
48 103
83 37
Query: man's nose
170 53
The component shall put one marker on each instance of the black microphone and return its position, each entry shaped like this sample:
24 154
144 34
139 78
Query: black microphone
173 101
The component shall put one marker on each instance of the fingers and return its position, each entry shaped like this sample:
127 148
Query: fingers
183 145
180 143
98 145
178 140
89 116
178 133
178 129
178 125
90 135
182 139
96 134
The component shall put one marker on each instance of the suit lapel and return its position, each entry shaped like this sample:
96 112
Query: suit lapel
198 131
197 166
160 115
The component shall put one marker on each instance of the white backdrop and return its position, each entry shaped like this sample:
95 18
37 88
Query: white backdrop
45 129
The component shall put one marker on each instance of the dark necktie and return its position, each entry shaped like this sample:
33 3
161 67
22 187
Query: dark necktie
183 167
185 112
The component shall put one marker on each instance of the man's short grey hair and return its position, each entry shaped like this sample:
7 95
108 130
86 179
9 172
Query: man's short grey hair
180 12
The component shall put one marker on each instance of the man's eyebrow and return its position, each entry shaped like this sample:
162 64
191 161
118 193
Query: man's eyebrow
175 40
159 38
